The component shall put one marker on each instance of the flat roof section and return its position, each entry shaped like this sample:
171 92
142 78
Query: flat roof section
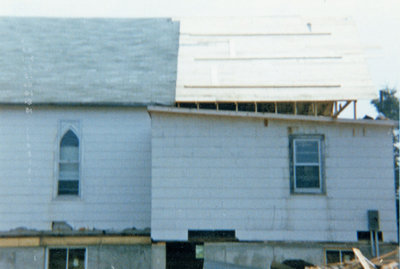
272 116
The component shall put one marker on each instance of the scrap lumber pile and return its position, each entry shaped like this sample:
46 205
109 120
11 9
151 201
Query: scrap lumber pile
387 261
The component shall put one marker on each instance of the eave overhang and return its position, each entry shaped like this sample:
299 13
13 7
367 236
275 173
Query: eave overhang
269 116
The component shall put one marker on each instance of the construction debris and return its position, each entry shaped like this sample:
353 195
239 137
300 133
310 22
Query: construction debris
386 261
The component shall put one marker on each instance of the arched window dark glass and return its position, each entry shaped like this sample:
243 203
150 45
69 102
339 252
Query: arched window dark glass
68 170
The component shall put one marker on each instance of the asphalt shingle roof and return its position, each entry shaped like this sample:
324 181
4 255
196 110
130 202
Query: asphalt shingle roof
88 61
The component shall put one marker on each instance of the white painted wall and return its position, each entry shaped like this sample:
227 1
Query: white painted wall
213 172
115 173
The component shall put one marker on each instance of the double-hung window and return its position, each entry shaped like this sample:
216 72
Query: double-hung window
306 163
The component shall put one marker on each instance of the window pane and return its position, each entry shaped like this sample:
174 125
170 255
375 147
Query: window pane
68 187
332 256
347 256
69 171
76 259
57 258
307 176
69 139
68 153
307 151
199 252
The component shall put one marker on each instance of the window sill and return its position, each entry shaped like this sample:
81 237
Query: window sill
308 193
67 198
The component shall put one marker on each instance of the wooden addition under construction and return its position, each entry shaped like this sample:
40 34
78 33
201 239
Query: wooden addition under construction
253 167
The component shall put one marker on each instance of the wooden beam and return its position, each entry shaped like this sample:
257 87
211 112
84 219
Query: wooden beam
366 264
95 240
262 86
315 109
259 34
268 58
36 241
336 107
355 109
341 108
20 242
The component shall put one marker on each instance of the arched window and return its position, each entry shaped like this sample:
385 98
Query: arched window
68 169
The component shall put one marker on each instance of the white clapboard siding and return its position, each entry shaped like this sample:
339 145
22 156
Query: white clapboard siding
270 59
215 173
115 168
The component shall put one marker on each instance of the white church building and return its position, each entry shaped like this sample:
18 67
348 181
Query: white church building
189 143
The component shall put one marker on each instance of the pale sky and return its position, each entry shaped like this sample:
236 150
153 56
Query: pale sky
378 22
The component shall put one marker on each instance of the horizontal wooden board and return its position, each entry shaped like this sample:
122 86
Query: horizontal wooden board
280 56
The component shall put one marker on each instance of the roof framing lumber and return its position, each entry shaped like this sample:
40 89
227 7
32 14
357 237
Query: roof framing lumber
341 108
272 116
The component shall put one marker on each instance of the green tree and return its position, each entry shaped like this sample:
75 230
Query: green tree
387 104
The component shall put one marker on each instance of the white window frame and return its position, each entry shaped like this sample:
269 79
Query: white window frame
294 164
64 127
47 256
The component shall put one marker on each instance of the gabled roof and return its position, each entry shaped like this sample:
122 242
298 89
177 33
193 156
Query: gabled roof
88 61
264 59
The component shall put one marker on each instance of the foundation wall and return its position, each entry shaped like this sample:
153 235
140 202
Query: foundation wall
27 258
97 257
261 255
106 257
224 255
